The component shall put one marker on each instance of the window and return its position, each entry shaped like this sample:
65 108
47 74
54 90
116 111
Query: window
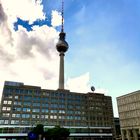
25 115
27 103
14 122
26 109
6 108
36 110
62 111
1 121
45 105
42 116
35 116
45 110
27 98
18 109
36 104
17 103
16 97
7 102
6 114
6 122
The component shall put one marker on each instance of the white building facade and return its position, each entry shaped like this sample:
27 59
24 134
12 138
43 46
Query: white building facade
129 114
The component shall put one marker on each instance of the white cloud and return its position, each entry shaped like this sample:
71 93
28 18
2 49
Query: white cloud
79 84
56 18
24 9
31 57
101 90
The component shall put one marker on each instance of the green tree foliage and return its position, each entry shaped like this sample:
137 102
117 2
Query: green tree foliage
57 133
39 129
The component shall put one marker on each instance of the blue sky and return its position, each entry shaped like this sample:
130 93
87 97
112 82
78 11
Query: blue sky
103 38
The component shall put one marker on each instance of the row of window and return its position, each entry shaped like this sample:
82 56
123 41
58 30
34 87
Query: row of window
43 116
38 92
21 91
27 122
51 105
45 110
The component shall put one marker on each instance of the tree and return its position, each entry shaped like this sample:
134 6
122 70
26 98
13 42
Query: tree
39 129
57 133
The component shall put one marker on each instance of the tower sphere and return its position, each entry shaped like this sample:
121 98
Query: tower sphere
62 45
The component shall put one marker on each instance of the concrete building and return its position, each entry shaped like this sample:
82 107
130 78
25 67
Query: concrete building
86 114
117 128
129 114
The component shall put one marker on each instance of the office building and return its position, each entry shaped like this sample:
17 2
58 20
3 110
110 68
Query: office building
129 114
86 114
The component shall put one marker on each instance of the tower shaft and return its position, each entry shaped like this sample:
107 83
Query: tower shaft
61 71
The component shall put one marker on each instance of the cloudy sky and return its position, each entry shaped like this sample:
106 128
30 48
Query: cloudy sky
103 37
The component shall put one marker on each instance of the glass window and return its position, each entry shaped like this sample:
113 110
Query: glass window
45 110
1 121
25 115
45 105
17 103
36 104
9 102
27 98
5 102
17 91
13 115
18 109
16 97
26 109
18 115
6 122
6 114
6 108
27 103
36 110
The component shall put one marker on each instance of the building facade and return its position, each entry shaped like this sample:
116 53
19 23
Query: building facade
117 128
129 114
85 114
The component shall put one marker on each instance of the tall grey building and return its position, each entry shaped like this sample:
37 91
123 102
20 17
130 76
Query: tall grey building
86 114
129 114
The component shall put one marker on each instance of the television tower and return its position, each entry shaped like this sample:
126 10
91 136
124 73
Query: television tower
62 47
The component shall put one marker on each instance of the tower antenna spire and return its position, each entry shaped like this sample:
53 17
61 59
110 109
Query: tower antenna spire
62 12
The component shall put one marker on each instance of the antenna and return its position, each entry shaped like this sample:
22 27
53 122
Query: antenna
62 12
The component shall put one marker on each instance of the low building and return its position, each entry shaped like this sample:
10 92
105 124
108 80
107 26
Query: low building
85 114
129 114
117 128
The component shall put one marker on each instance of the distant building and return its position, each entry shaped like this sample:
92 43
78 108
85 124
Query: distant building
129 114
117 128
87 115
